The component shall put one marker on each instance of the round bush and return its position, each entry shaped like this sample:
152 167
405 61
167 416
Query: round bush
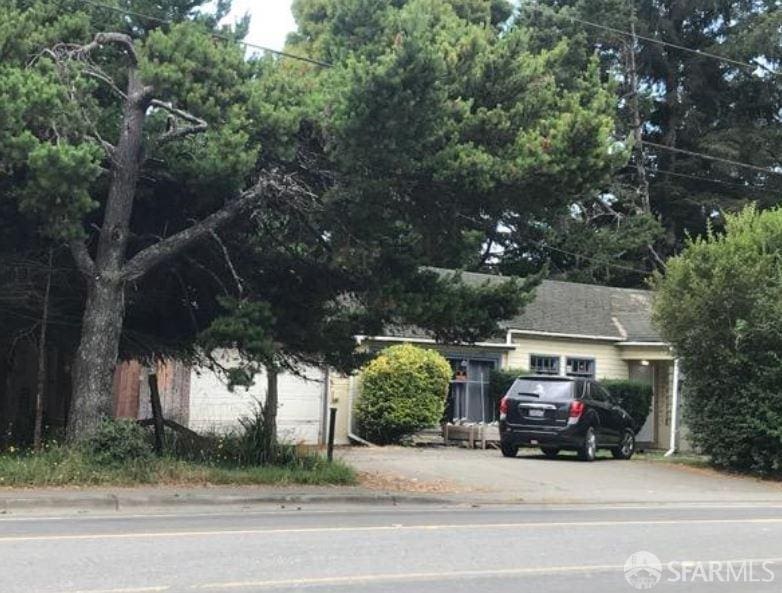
403 390
119 441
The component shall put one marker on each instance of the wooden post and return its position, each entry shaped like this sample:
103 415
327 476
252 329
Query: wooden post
157 412
332 424
41 382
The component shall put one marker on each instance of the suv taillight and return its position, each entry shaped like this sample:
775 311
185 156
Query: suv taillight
576 411
503 407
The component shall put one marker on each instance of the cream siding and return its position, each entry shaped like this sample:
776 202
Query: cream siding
655 352
608 362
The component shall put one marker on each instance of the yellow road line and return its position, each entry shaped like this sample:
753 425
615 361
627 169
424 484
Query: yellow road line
382 528
412 576
449 575
131 590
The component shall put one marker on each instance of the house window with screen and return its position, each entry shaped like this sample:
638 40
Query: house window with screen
544 365
580 367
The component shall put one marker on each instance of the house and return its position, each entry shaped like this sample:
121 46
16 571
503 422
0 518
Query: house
569 329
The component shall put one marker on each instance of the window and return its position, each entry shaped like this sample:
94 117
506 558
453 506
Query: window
544 365
544 389
580 367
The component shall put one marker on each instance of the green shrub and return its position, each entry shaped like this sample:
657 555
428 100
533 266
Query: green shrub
634 396
720 306
403 390
119 441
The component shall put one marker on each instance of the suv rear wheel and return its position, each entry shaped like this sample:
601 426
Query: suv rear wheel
626 447
509 450
588 450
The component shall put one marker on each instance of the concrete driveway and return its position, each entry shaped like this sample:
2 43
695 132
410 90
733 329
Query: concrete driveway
476 475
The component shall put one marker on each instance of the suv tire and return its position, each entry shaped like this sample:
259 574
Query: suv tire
626 447
509 450
588 450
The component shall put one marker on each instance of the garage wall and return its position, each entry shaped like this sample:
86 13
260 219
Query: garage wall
299 416
608 364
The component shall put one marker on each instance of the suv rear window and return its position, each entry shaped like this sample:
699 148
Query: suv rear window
542 389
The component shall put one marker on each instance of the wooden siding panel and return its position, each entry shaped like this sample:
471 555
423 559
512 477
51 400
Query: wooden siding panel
126 389
608 362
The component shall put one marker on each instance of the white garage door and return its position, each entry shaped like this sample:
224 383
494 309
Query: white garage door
214 408
299 416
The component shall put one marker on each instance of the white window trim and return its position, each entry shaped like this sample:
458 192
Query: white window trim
575 357
539 355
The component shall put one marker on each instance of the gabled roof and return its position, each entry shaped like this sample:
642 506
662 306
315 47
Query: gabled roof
570 308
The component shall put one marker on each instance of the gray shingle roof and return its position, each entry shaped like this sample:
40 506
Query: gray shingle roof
582 309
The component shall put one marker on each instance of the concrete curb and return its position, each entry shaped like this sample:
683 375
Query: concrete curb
122 501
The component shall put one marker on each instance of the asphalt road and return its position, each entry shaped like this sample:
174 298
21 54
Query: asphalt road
364 549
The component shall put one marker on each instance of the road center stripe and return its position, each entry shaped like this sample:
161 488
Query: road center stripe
382 528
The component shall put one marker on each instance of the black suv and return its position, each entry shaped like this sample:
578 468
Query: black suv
556 413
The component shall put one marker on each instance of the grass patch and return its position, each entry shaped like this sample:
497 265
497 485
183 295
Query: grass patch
690 459
61 466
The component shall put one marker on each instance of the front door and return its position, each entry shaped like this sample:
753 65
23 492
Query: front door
468 397
644 373
663 376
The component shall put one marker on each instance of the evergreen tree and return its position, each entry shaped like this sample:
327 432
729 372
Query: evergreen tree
437 122
687 101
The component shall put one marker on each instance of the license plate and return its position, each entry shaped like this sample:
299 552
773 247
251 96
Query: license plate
537 413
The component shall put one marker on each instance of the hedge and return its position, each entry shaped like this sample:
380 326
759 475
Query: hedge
719 304
403 391
500 381
634 396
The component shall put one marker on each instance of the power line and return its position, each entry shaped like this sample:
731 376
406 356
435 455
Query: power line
593 259
712 158
215 35
697 52
718 181
535 7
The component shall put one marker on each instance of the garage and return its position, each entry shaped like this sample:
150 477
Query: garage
215 408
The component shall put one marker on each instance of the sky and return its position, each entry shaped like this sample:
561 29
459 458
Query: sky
271 20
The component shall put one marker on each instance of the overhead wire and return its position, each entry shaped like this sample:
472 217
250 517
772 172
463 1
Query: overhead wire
215 35
600 261
585 22
677 46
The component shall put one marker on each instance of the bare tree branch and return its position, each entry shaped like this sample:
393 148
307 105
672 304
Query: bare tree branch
82 257
271 186
94 72
229 263
197 126
102 39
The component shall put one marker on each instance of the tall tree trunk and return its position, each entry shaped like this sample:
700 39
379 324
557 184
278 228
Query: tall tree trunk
104 311
93 370
270 413
108 272
41 382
